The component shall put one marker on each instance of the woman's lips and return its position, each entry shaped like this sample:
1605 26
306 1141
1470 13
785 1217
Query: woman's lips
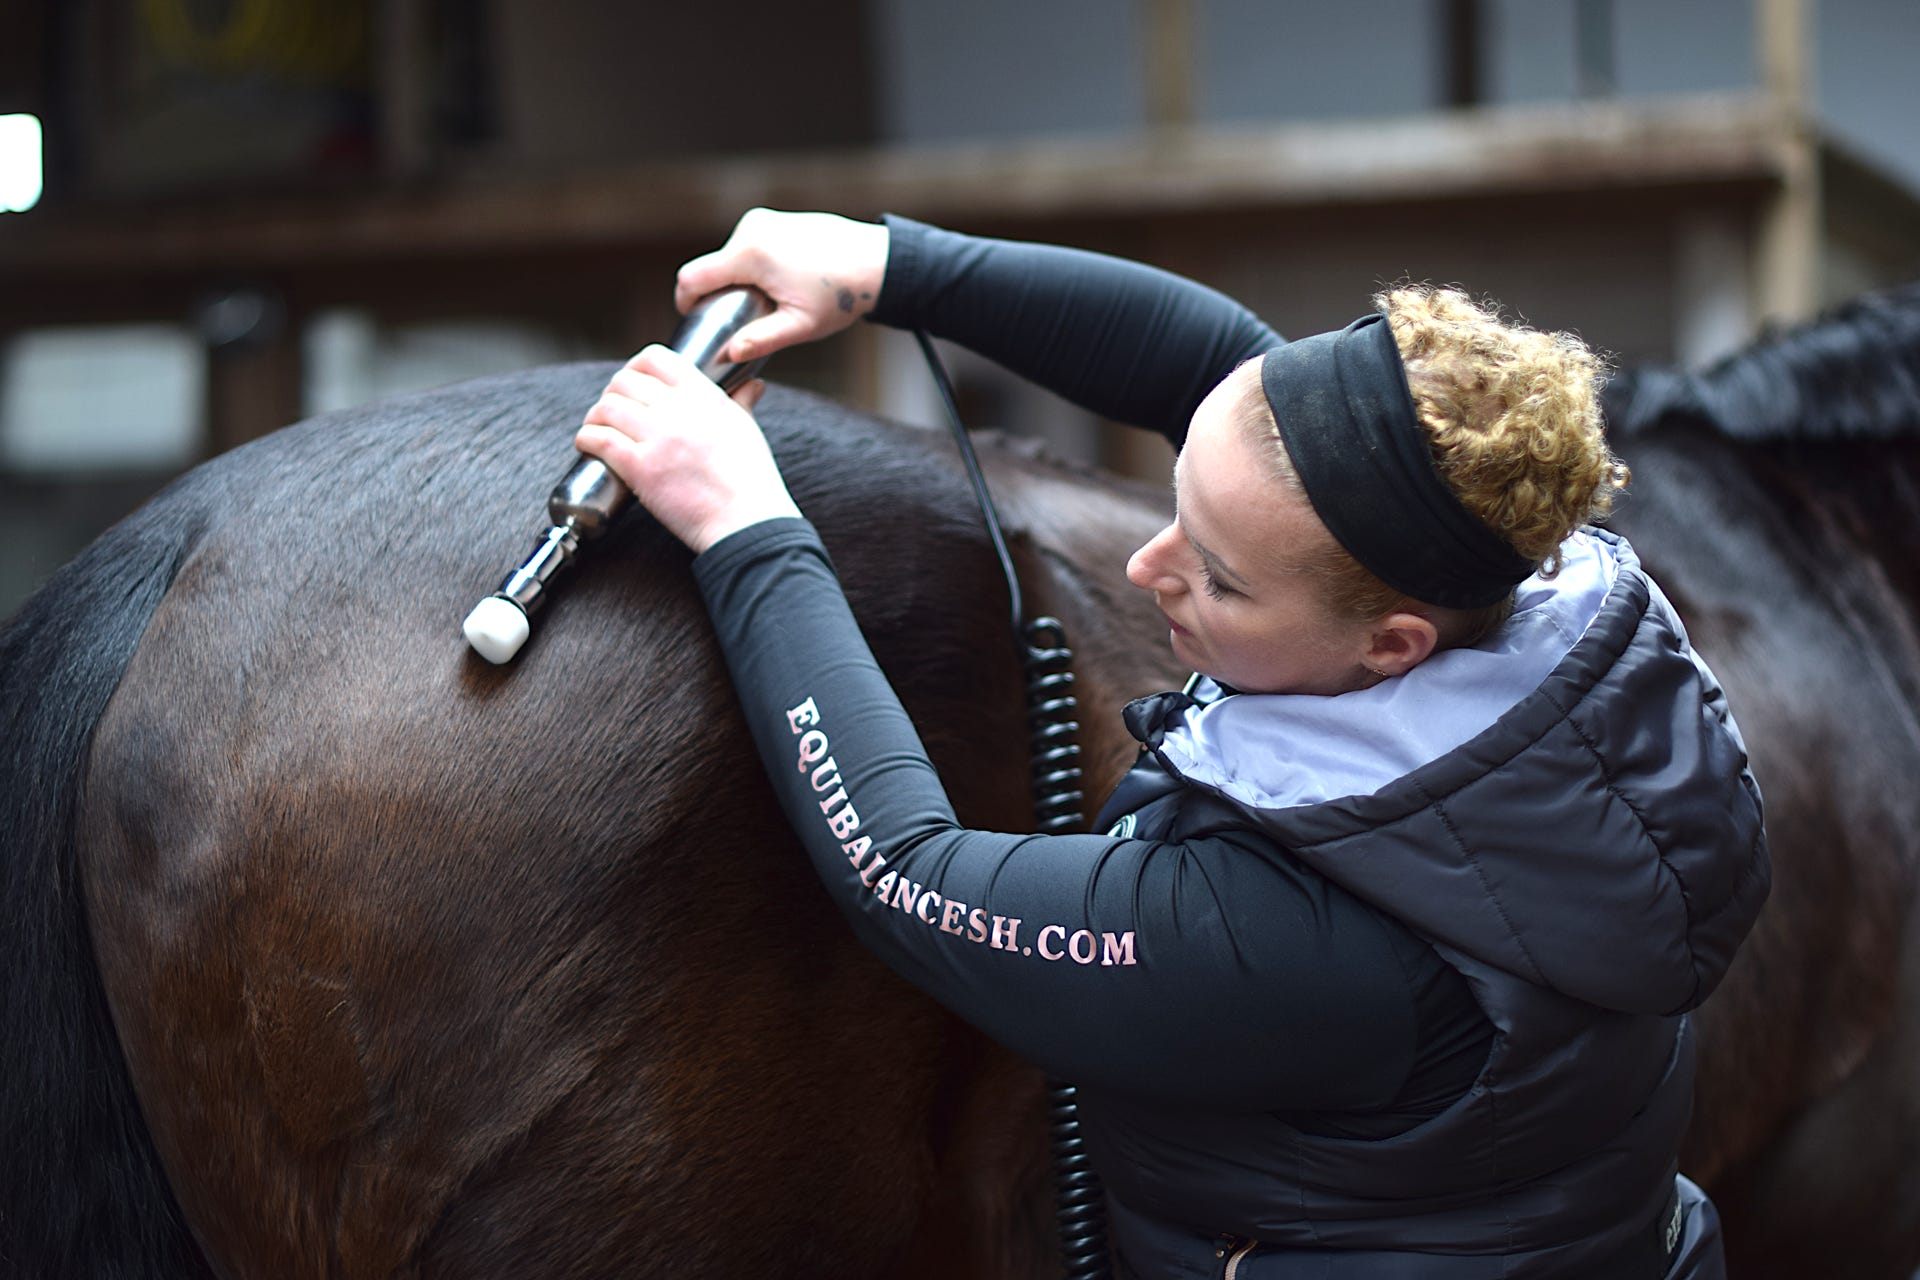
1176 626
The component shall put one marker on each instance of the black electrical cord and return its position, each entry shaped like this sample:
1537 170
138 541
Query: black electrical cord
1052 732
988 511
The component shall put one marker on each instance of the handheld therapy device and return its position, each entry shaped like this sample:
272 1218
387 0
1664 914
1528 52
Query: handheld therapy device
588 497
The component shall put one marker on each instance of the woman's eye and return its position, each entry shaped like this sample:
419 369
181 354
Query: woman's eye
1212 584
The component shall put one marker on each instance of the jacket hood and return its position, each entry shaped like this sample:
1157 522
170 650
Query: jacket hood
1567 801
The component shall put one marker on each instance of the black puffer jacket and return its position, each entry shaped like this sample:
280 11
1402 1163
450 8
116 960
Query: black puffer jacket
1589 862
1220 976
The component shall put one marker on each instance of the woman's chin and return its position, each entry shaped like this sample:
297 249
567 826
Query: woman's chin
1181 643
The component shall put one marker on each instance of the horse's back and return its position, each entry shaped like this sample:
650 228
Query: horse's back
423 964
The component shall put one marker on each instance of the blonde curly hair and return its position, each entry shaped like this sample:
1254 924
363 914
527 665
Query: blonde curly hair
1513 418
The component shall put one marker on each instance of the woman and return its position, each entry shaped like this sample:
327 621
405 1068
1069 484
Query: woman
1382 967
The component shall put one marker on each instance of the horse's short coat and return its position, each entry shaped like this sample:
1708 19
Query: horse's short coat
363 957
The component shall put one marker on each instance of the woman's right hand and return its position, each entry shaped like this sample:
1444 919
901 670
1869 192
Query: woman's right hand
822 271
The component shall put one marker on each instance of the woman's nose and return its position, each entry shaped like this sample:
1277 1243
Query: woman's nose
1151 567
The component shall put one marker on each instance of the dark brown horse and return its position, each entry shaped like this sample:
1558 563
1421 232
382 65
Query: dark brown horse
1777 498
328 949
419 965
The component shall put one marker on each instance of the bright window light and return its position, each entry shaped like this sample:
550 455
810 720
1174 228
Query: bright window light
20 179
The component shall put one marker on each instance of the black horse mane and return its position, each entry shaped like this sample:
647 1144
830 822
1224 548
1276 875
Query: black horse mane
1853 374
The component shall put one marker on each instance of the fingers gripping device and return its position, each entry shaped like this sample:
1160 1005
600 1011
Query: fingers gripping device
589 496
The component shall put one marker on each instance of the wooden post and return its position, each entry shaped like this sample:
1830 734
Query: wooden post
254 368
1462 80
400 75
1787 251
1593 42
1167 28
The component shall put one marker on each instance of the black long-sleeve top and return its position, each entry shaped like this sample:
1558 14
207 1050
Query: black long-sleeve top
1112 962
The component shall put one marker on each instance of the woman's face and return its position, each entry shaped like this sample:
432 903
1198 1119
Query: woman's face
1231 574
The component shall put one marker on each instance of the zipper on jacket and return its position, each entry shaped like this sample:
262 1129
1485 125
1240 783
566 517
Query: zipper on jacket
1235 1250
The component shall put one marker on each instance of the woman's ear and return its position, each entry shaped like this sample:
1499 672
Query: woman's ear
1398 643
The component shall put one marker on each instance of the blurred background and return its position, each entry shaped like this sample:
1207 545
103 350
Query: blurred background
220 216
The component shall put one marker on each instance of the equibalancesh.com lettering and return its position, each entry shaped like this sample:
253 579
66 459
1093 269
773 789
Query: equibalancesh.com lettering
814 757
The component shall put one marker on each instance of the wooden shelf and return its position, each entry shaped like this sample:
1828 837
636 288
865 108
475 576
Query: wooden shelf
1538 150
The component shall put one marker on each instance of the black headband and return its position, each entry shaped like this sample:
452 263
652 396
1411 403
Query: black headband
1347 420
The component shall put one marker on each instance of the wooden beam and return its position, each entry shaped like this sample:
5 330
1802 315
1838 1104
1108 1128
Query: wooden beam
1167 31
1788 247
401 74
253 387
1531 150
1461 75
1593 45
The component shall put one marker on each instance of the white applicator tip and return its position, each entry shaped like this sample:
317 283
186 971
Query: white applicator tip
496 629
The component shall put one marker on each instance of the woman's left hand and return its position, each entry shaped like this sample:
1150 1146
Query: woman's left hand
692 455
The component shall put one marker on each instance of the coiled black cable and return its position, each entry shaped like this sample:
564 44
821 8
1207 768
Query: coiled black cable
1053 732
1079 1205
